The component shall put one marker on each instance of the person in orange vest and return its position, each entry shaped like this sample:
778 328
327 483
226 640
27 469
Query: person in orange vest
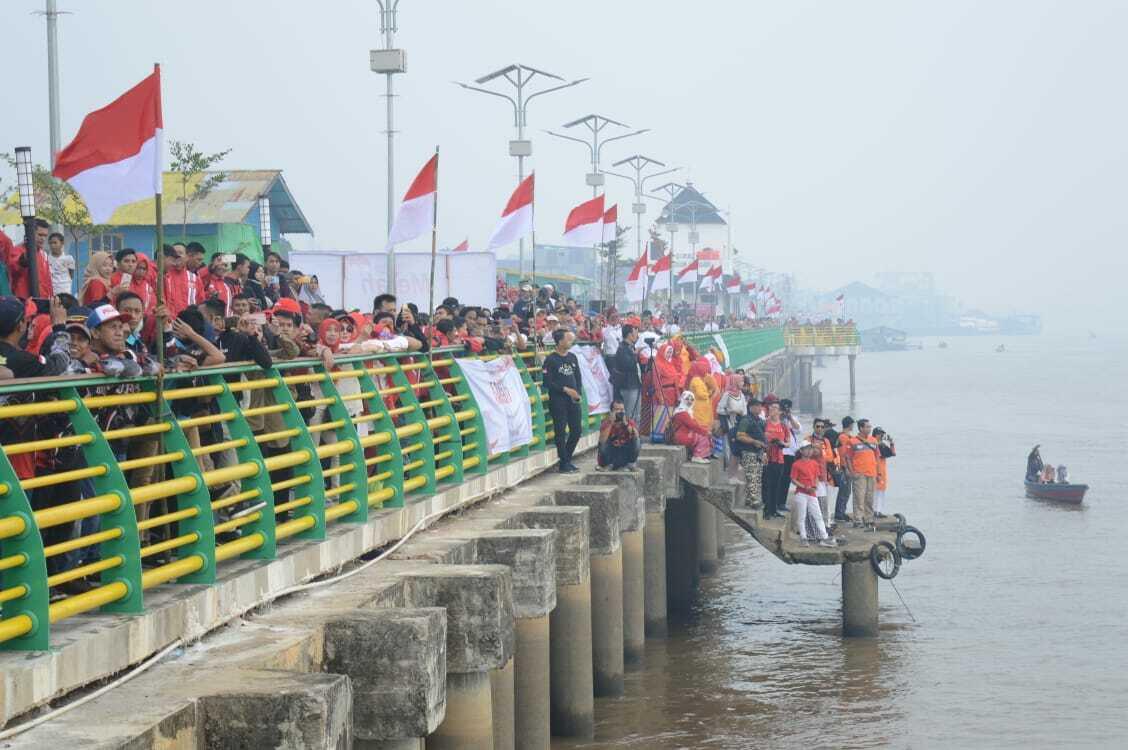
829 459
859 455
886 449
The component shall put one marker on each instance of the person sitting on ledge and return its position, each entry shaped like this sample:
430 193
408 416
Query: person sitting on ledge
618 439
691 433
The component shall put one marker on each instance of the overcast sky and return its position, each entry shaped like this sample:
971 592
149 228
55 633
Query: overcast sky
983 141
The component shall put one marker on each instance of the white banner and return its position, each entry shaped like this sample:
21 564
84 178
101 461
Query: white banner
596 379
503 400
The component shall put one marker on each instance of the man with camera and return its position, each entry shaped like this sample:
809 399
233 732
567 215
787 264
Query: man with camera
618 439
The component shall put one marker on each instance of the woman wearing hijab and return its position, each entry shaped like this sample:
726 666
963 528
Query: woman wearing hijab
730 408
97 281
253 286
703 387
689 432
309 291
142 282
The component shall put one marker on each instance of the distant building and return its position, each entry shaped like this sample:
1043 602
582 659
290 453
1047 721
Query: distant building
699 226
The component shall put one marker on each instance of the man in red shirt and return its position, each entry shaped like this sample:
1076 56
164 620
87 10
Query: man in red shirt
16 258
805 474
182 288
776 435
860 458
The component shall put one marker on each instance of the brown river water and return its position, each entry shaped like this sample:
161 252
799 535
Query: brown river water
1020 637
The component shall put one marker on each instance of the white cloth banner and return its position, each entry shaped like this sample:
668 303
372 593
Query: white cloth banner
503 400
595 378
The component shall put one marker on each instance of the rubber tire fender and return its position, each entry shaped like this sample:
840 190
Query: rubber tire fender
875 559
907 552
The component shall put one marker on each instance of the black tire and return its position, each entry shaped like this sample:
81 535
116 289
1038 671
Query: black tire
901 522
913 550
885 559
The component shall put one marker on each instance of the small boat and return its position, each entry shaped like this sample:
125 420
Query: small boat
1001 348
943 344
1057 491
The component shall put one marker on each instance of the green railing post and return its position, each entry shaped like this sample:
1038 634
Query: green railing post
451 439
358 475
426 452
112 482
477 438
381 424
31 574
303 441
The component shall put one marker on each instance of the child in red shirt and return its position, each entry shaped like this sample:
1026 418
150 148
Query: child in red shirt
805 473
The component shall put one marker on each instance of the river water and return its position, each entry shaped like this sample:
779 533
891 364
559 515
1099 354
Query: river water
1020 637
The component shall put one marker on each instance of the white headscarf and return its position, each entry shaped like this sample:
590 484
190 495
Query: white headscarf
685 403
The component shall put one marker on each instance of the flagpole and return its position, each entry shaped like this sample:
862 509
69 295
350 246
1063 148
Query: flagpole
434 240
533 249
159 259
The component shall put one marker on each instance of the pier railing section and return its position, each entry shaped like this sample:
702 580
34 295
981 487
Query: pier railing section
741 347
133 491
821 336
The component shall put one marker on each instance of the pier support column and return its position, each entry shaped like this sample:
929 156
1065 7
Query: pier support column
720 535
859 600
681 553
469 714
632 522
660 465
708 561
606 582
570 653
852 359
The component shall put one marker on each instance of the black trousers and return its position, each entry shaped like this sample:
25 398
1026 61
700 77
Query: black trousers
566 424
618 456
771 487
843 482
785 481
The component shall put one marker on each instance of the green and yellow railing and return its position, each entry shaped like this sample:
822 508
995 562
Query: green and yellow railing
820 335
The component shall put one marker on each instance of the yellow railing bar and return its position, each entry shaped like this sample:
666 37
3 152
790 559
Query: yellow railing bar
337 470
380 477
230 474
380 496
401 410
469 447
436 422
338 491
449 381
237 547
266 437
367 462
469 462
13 561
269 409
392 390
226 416
73 475
204 450
179 515
325 426
314 402
39 408
235 523
79 543
286 484
84 570
31 446
359 396
287 460
408 430
296 526
175 542
430 404
297 503
412 448
456 399
314 377
79 603
339 510
413 465
414 483
227 502
16 592
252 385
376 438
338 374
173 570
442 363
465 414
413 366
444 455
157 460
444 471
91 506
467 431
198 391
328 450
167 488
130 432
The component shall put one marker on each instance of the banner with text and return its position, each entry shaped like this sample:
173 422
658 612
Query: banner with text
503 400
596 379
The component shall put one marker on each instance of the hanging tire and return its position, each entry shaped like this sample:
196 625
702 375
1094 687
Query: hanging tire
885 559
909 547
901 522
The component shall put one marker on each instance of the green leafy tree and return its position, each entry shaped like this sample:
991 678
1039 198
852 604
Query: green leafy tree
188 163
56 202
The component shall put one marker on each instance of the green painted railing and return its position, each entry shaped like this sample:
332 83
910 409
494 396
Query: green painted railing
743 347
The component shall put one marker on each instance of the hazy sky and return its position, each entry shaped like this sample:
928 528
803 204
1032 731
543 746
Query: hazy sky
980 140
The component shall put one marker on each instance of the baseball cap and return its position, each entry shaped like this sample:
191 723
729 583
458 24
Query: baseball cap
104 314
288 304
79 327
78 314
12 311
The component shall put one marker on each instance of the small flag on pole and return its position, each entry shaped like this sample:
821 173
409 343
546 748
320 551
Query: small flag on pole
610 224
660 273
584 225
636 281
688 275
517 218
417 212
462 247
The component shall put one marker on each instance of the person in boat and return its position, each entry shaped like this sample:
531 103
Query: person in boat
1062 475
1034 465
1048 474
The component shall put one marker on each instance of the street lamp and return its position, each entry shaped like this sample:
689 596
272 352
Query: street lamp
638 163
25 183
389 61
264 225
595 124
519 76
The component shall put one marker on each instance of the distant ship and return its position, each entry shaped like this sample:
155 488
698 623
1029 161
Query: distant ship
883 339
943 344
1001 348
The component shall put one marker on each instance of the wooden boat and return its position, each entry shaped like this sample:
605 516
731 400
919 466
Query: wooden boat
1062 493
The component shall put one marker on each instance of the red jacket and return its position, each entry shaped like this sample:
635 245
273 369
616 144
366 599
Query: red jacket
18 273
182 289
685 427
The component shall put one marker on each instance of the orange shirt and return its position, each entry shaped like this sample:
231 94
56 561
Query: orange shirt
882 474
805 475
862 452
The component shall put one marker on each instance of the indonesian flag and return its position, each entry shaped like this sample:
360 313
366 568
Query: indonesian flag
115 158
750 286
584 225
710 278
462 247
752 307
840 298
732 284
517 218
660 273
636 281
417 212
610 222
688 275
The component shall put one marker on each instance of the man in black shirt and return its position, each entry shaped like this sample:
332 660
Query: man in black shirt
628 377
750 436
561 372
53 357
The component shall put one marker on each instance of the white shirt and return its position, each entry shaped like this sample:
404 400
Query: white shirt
62 270
793 428
612 337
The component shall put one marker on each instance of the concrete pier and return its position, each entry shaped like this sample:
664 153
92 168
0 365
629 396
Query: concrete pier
606 581
661 466
571 681
708 559
859 600
469 716
682 566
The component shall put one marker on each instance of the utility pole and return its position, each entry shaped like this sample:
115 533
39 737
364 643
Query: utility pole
51 13
519 76
389 61
638 163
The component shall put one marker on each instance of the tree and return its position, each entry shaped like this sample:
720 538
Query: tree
188 163
610 256
56 202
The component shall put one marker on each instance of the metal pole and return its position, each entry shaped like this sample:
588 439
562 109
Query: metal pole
387 21
31 252
520 167
52 14
434 239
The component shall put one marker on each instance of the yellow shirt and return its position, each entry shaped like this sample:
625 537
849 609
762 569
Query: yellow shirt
703 402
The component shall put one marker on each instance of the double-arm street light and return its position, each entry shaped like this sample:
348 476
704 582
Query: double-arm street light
595 125
639 163
389 62
519 77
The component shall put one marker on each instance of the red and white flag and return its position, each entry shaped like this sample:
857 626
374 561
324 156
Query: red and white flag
840 298
416 214
462 247
660 273
584 225
752 307
710 278
115 158
636 281
688 275
610 224
517 218
733 284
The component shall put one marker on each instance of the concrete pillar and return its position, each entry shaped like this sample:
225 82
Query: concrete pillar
570 652
278 709
681 553
660 465
859 600
632 521
469 714
707 560
480 637
397 663
720 536
852 358
606 581
521 689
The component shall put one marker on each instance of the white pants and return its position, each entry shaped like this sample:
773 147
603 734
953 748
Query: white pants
879 501
808 505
